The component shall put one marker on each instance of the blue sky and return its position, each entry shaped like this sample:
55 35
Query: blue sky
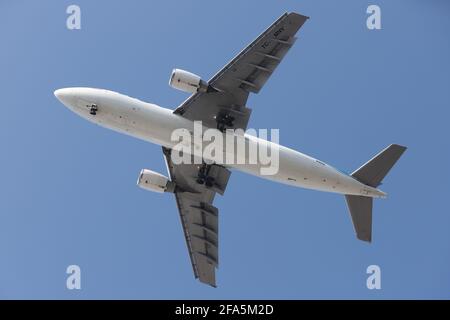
343 93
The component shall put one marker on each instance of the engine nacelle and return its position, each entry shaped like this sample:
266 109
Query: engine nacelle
154 181
186 81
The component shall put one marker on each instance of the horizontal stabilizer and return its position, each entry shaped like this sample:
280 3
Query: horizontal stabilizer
360 208
372 172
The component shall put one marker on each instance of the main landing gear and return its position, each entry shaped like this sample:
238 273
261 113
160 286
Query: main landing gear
203 177
223 121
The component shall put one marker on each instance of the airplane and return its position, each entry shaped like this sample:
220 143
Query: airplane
220 104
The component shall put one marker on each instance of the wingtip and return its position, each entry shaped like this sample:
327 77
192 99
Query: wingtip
400 146
293 13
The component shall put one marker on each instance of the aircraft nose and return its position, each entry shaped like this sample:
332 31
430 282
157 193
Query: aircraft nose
67 97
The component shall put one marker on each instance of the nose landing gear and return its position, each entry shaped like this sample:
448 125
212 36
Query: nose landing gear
92 109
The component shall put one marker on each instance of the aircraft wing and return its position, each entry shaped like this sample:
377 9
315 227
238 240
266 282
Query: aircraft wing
247 72
223 108
199 218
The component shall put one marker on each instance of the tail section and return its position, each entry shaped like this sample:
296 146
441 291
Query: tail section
371 174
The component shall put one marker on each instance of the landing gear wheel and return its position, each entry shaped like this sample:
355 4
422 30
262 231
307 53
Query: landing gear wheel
209 182
93 109
224 121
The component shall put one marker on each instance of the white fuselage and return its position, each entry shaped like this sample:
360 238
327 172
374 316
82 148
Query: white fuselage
155 124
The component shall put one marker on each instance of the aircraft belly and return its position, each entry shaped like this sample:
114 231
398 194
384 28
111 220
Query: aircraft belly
155 124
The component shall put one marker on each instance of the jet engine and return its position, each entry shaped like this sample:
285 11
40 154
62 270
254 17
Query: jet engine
187 82
154 181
